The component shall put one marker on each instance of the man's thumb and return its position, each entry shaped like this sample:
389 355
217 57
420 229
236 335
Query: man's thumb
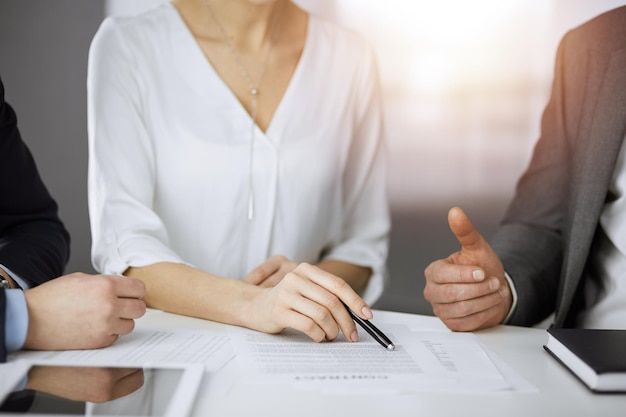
464 230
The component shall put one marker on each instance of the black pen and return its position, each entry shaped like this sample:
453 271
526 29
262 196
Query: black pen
369 327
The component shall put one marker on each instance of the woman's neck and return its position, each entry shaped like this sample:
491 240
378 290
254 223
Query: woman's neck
249 24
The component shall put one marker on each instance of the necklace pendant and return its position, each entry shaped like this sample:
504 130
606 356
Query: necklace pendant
254 91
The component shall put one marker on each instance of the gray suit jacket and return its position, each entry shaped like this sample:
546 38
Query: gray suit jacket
547 233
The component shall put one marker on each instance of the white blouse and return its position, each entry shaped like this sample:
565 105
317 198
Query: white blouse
169 155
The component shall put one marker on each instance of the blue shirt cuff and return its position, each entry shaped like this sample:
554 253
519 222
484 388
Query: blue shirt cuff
16 319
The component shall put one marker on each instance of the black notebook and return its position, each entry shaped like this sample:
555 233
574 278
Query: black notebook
596 357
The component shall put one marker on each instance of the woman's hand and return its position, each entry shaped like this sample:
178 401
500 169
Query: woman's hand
307 299
270 272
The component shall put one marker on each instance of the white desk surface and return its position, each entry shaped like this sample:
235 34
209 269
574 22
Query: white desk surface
558 392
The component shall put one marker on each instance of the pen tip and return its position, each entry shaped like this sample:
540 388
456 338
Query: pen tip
391 346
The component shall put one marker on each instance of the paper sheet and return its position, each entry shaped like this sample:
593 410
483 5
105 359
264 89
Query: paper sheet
147 345
517 381
422 362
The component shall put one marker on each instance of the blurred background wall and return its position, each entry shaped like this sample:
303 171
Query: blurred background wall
464 86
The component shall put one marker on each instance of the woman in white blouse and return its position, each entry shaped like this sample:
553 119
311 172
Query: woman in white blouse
239 139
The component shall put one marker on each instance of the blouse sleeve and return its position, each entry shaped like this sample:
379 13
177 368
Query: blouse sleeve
366 213
125 229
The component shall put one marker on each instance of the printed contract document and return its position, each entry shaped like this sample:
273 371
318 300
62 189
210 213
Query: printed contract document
422 362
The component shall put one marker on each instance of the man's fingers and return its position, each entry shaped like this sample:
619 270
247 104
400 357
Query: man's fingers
130 308
123 326
104 341
126 287
451 293
468 287
132 380
468 307
480 320
443 272
464 230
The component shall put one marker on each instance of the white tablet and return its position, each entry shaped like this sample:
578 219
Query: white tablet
51 390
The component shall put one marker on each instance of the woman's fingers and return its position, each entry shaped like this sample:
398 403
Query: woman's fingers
259 274
338 287
295 320
271 272
317 295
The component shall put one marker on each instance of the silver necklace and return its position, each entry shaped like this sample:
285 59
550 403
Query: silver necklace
253 90
254 87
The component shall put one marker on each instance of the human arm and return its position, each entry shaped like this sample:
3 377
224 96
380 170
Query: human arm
80 311
76 311
307 299
538 223
274 269
355 275
78 383
531 239
33 242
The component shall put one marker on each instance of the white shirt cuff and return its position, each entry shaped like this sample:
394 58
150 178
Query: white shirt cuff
513 295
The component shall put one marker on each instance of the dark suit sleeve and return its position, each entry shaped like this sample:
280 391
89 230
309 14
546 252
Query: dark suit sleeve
33 242
535 239
530 239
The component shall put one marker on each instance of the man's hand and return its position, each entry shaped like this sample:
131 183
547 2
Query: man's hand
468 290
81 311
85 383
